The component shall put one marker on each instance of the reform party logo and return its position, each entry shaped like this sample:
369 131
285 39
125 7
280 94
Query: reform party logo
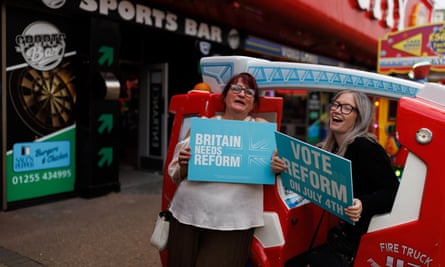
42 45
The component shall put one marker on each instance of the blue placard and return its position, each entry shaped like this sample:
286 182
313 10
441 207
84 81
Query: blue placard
231 151
320 176
33 156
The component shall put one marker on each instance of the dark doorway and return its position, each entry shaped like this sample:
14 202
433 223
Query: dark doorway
129 114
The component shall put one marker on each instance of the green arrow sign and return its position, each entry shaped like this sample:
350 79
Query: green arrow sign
106 120
107 55
106 155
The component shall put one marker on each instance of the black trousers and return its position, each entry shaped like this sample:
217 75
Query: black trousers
338 251
327 256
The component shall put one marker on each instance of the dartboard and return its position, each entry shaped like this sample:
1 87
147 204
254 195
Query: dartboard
44 100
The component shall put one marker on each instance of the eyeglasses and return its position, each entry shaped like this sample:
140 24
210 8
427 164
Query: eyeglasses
344 108
238 88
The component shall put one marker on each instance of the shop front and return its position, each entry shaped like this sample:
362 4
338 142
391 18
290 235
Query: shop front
86 84
86 87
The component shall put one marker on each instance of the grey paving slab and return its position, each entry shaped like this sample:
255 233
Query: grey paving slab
110 230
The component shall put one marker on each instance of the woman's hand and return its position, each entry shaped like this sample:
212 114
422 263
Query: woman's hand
354 212
184 157
278 165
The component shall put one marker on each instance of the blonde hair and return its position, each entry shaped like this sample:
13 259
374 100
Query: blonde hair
363 121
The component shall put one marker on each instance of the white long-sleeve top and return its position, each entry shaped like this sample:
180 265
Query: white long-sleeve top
215 205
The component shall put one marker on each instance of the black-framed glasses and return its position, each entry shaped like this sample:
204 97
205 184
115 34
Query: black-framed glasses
238 88
344 108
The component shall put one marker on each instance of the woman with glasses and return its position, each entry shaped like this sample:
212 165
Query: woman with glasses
213 223
374 181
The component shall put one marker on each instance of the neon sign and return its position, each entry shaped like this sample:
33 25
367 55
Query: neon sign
377 11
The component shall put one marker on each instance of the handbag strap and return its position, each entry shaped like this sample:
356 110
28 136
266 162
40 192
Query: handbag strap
316 230
166 214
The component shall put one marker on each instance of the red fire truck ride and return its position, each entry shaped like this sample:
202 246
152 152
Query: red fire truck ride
412 234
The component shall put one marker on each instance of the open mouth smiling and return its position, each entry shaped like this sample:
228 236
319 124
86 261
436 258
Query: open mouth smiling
239 101
336 119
